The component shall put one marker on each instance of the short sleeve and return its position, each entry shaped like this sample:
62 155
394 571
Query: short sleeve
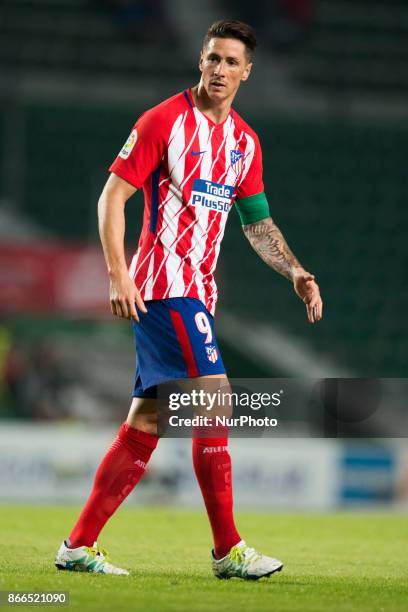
252 182
143 151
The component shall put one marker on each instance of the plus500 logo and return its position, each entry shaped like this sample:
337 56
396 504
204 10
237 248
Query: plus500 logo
211 195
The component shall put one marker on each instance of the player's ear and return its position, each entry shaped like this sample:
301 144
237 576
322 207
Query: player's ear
247 72
200 61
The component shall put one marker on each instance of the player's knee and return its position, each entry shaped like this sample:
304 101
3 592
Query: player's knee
143 415
143 422
146 425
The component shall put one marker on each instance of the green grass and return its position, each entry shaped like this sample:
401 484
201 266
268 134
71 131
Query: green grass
333 562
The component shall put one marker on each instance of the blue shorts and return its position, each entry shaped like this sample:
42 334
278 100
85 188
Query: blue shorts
174 339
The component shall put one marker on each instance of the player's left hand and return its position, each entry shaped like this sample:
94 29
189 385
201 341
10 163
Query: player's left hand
308 290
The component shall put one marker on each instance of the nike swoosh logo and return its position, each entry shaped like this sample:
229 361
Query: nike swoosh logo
197 152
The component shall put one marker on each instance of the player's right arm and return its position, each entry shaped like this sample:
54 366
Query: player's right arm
111 216
139 157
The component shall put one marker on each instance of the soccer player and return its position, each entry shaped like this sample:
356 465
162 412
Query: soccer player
195 159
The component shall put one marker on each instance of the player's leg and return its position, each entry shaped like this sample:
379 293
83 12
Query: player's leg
120 470
212 464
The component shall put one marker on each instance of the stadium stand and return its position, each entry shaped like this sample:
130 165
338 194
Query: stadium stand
357 45
84 37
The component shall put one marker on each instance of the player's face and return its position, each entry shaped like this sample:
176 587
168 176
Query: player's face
223 65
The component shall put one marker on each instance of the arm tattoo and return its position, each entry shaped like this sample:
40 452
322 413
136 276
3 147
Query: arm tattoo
267 240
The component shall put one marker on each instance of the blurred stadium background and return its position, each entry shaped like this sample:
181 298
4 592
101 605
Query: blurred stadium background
328 97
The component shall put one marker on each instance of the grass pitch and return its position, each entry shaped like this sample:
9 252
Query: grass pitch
335 562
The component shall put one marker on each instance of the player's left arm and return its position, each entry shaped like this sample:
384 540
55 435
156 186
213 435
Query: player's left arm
267 240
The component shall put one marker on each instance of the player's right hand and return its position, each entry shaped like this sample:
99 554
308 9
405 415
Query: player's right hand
124 297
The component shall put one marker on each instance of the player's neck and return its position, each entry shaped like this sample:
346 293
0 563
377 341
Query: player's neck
217 111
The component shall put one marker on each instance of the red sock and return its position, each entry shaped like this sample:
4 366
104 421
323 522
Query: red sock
120 470
212 465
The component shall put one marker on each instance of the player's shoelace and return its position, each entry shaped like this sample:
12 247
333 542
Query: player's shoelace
100 558
244 554
96 551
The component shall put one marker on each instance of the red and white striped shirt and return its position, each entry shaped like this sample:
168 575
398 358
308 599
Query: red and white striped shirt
191 171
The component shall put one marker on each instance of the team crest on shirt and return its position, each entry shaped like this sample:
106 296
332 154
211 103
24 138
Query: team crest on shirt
212 353
236 158
129 144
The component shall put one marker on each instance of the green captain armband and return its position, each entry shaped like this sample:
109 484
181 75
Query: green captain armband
253 208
